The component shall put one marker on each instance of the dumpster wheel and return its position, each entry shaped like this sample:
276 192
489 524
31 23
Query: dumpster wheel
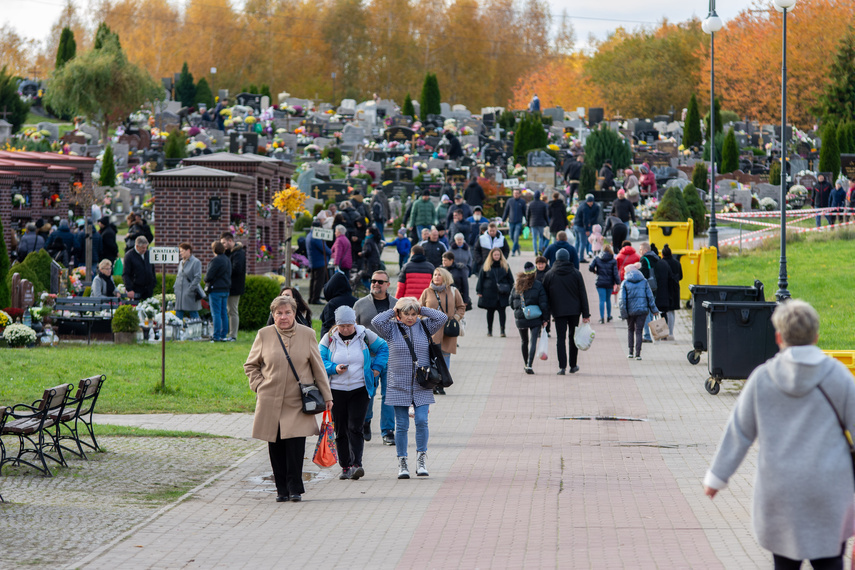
712 385
694 356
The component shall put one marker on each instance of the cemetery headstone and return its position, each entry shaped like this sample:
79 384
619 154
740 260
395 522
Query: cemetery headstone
445 109
806 180
120 156
5 130
51 128
399 134
329 191
243 143
249 100
456 176
847 165
314 129
398 174
373 167
768 191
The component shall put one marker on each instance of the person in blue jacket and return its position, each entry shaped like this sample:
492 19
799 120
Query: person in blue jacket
354 358
514 214
319 256
635 301
403 245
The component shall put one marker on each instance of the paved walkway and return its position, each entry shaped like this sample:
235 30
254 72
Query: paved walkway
512 483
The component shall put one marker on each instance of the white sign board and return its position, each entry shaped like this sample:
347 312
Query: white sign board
323 234
163 254
511 182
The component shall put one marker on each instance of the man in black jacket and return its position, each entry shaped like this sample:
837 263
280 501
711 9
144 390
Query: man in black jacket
138 272
434 248
218 279
537 218
649 261
337 292
572 173
109 247
237 257
608 176
474 194
568 300
821 198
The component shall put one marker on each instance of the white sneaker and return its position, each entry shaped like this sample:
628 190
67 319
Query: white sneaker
630 355
403 471
421 468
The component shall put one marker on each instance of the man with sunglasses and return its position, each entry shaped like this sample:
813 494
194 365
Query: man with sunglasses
366 309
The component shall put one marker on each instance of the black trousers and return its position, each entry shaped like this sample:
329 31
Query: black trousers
349 409
286 458
562 325
634 330
490 313
316 284
528 351
831 563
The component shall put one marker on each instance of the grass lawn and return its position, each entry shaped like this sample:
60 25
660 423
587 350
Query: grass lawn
819 271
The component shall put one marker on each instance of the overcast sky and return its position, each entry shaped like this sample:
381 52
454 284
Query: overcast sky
34 18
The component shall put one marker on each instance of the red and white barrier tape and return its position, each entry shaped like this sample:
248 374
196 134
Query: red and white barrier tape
788 213
770 233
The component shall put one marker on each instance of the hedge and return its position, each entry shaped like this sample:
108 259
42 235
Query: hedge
254 306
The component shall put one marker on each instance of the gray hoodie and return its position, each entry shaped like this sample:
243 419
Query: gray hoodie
803 506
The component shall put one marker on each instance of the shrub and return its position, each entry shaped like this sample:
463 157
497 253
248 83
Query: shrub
530 135
673 207
775 173
35 269
333 153
5 296
108 168
317 209
693 136
719 143
408 109
728 117
696 207
254 304
170 282
829 153
176 145
507 120
125 320
730 153
700 176
587 178
204 94
430 99
302 223
605 144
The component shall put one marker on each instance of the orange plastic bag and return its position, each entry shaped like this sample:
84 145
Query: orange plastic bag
326 454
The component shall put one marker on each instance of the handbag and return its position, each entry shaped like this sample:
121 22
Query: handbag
451 327
310 394
846 433
427 377
530 311
326 453
437 361
503 288
199 293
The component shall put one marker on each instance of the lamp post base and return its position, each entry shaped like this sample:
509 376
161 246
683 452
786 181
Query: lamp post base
713 237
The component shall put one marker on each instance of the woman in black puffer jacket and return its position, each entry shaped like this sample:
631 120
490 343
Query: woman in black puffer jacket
605 266
528 293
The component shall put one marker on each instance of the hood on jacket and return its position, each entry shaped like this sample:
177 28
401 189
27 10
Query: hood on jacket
632 274
799 369
563 267
418 257
597 229
338 285
606 256
627 250
537 195
464 246
238 246
359 330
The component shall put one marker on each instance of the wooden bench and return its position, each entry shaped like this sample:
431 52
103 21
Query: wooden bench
79 410
86 310
32 423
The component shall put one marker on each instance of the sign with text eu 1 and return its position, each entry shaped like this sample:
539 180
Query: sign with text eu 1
164 254
323 234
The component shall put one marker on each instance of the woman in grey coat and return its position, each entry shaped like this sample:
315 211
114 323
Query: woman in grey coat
402 390
804 484
187 283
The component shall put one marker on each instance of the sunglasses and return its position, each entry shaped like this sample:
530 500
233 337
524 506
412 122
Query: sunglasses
378 281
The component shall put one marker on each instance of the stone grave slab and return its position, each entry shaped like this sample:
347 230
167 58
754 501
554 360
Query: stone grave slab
51 128
120 156
847 165
329 191
768 191
373 167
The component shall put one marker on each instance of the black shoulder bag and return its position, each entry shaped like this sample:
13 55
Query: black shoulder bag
846 433
452 327
437 362
310 394
428 377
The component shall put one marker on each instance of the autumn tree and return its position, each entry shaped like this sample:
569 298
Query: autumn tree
346 32
67 47
185 88
692 136
558 82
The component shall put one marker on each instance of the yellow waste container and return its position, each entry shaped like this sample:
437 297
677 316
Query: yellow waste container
847 357
690 262
678 235
708 270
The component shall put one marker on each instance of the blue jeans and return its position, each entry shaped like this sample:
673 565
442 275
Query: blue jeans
647 319
402 425
190 314
220 313
538 241
605 300
387 412
516 230
582 245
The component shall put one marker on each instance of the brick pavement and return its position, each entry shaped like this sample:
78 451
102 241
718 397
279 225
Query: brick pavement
510 485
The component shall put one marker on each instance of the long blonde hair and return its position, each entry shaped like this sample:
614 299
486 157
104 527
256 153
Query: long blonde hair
488 263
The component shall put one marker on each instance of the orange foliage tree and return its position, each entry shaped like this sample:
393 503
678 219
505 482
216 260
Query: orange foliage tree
562 81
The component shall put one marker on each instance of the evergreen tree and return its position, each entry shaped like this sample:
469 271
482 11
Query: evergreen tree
408 109
176 145
692 136
67 47
673 207
103 35
729 153
5 294
587 178
108 168
829 154
11 101
529 136
838 99
719 124
700 176
775 173
264 91
846 138
719 144
430 99
185 89
697 209
507 120
605 144
204 95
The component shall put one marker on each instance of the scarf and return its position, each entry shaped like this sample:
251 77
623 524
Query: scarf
437 288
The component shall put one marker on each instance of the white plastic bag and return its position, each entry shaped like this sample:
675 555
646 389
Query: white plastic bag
584 336
543 346
634 232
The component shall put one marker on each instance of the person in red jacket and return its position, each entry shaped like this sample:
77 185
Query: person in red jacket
416 274
626 256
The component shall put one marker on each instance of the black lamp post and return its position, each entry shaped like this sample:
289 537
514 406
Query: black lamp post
711 25
782 294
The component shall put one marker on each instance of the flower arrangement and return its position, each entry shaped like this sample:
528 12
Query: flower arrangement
731 208
76 277
768 204
311 149
264 210
47 299
518 170
148 204
19 335
420 166
290 201
250 120
18 201
399 161
5 320
263 253
300 260
14 313
238 229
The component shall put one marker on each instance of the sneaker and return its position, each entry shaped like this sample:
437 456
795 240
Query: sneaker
403 471
630 355
528 370
638 357
389 439
561 372
421 468
344 474
355 472
489 334
230 339
502 334
574 369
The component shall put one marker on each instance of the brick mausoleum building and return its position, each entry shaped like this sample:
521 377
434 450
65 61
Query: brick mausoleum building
199 201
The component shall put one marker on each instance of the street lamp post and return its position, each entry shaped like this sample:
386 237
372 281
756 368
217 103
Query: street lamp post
782 294
711 25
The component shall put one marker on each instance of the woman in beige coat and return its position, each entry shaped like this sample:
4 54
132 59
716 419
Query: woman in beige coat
443 296
279 418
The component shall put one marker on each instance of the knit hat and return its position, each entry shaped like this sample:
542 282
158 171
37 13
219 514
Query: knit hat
344 315
476 209
562 255
529 267
402 232
445 198
589 198
105 220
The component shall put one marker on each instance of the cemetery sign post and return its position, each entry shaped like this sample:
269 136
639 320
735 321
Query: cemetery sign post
163 255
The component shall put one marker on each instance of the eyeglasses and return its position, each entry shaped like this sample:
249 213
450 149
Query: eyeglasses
378 281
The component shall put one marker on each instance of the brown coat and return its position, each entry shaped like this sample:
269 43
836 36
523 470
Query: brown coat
452 299
278 401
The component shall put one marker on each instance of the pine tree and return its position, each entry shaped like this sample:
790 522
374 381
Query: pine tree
719 144
838 100
775 173
829 154
108 168
204 93
430 99
673 207
605 144
692 136
12 102
185 89
408 109
103 34
846 138
67 47
700 176
697 209
719 125
587 178
176 145
5 296
264 91
729 153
